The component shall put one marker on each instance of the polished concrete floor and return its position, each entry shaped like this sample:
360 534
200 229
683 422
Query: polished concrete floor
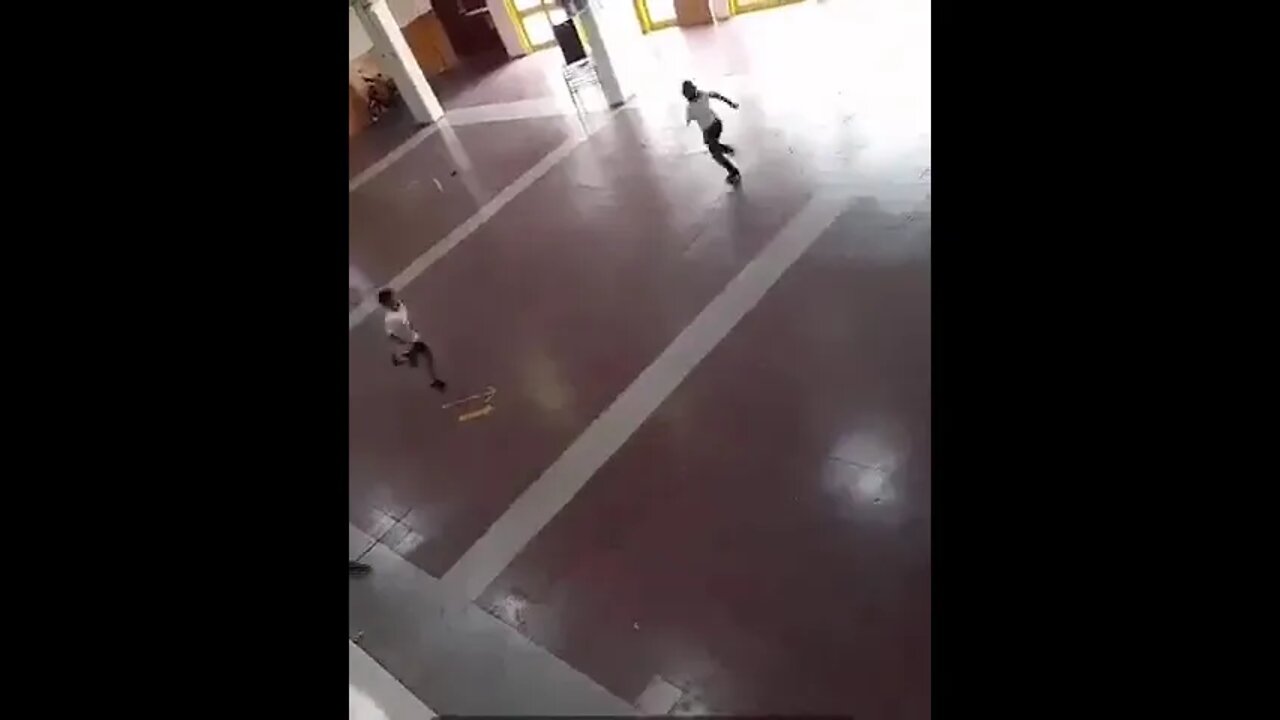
705 481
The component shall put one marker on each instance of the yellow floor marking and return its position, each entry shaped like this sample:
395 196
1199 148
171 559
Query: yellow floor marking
486 396
475 413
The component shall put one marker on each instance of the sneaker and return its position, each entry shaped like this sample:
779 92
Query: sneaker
734 178
358 568
439 385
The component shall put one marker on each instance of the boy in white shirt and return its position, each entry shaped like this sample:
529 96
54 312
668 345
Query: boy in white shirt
699 109
408 345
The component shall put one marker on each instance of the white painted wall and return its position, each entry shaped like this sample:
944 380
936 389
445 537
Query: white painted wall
506 27
616 46
404 11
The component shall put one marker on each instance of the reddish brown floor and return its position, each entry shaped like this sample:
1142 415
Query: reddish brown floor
774 511
400 212
581 281
559 303
484 80
481 80
372 143
768 528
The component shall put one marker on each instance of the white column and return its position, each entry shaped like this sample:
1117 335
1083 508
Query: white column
614 37
506 27
396 59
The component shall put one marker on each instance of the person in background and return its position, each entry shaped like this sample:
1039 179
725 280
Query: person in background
699 109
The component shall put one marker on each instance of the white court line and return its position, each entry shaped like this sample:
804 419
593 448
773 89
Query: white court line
386 160
450 651
462 117
473 223
396 702
658 698
526 110
540 502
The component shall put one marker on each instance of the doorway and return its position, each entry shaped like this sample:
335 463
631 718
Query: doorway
469 27
656 14
741 6
535 19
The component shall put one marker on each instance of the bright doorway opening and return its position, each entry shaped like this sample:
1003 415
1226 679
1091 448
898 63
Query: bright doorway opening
656 14
741 6
535 19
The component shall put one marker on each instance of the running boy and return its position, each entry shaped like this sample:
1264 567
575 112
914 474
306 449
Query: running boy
408 345
700 109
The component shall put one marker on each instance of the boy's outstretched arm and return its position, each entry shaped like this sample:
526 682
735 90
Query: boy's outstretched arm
723 99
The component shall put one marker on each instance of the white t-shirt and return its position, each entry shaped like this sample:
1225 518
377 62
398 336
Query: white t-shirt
397 325
700 109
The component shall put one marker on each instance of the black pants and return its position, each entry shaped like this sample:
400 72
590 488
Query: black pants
711 136
417 350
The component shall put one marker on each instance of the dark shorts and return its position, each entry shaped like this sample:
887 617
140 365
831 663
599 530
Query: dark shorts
412 354
711 135
419 348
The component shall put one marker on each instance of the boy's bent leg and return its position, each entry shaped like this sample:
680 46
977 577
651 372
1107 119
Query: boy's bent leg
718 155
421 348
712 137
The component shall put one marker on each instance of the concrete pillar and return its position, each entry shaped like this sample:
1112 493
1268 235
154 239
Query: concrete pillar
506 27
615 40
396 59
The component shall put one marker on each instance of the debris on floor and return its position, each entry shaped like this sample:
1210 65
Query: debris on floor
485 397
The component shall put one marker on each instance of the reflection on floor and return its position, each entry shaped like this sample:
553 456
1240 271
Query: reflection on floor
705 481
